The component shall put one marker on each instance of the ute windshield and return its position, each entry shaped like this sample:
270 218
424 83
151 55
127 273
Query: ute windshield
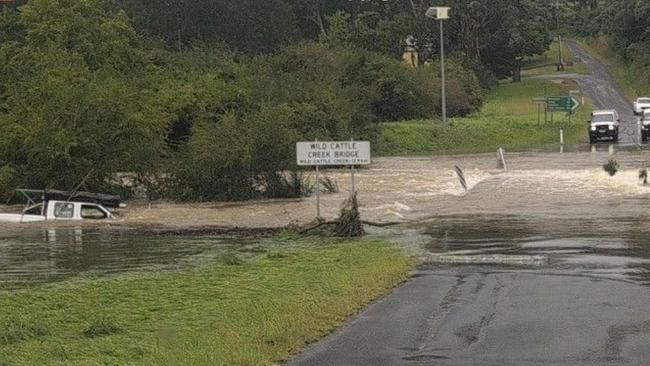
644 100
600 118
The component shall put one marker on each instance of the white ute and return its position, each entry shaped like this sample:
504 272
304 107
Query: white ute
48 206
59 210
641 105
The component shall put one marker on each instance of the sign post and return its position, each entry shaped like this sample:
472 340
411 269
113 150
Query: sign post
317 190
562 104
332 153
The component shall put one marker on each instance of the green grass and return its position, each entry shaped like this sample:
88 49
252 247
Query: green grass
508 119
257 312
625 73
545 64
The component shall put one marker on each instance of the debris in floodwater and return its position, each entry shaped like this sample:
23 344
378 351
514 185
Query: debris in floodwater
350 224
611 167
486 259
643 174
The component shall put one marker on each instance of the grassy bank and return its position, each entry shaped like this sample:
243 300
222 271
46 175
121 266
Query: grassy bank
625 73
508 119
252 313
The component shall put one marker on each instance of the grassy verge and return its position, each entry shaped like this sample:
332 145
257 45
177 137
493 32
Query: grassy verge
545 64
508 119
252 313
625 73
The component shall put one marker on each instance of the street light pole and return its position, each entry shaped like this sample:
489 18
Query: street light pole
442 75
441 13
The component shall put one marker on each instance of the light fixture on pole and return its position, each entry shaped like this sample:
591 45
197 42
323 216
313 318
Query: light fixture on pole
441 13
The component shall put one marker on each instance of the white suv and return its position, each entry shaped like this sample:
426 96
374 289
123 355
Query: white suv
641 105
604 124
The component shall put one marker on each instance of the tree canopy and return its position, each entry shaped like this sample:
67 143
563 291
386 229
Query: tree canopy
204 99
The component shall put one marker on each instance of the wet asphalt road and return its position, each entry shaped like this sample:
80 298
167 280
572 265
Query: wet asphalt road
547 264
480 316
499 290
603 90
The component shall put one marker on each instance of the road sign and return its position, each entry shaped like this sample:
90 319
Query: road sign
562 104
333 153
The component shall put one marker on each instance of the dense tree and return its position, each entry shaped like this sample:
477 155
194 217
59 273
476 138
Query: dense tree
74 102
97 90
250 25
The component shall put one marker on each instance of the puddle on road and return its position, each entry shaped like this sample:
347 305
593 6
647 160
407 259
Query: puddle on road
608 248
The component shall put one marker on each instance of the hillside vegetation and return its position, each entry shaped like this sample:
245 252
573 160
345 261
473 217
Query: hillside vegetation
205 99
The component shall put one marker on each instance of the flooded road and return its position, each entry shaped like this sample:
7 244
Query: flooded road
564 201
546 264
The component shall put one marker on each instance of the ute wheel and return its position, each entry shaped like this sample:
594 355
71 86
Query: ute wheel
644 138
592 140
616 138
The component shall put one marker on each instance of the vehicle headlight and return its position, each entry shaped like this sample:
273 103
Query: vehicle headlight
611 127
593 128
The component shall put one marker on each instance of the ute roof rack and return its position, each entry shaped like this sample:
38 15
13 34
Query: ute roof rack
34 196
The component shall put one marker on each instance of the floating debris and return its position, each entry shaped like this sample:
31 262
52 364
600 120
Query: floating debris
611 167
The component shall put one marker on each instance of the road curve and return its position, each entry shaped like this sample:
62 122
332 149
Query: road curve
605 92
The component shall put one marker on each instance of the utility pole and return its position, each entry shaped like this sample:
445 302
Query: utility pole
557 16
559 38
560 65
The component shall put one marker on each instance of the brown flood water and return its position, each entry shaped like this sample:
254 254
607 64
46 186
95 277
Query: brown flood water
549 209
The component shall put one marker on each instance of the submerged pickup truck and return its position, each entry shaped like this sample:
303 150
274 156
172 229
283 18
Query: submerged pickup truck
59 210
67 206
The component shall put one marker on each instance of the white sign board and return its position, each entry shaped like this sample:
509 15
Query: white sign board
323 153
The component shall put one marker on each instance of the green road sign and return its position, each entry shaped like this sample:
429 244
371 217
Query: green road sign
562 104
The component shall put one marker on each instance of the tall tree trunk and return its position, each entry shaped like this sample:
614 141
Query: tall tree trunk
316 16
414 8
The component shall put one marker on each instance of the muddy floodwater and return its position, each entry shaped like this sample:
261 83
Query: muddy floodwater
36 255
549 209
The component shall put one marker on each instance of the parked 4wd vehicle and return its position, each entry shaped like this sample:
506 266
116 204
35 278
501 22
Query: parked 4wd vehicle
641 105
604 124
